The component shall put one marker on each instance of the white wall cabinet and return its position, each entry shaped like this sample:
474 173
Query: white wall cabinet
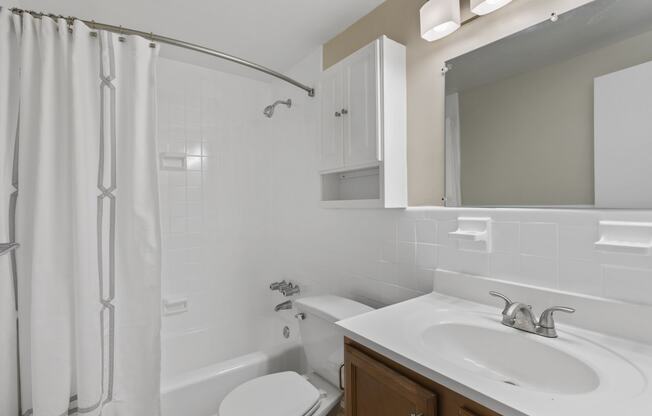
363 137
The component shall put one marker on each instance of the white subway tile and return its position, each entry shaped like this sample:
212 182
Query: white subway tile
406 253
426 256
506 266
443 228
628 284
576 242
539 271
471 262
405 231
539 239
505 237
580 277
426 231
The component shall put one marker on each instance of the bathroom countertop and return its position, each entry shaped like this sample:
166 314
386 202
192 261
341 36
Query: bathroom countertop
622 368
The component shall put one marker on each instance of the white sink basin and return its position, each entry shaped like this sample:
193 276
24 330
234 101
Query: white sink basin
514 358
463 346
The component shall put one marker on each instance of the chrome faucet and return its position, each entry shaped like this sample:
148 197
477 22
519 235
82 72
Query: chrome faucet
290 289
519 316
286 288
278 285
283 306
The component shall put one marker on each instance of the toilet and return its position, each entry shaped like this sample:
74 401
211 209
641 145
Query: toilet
289 393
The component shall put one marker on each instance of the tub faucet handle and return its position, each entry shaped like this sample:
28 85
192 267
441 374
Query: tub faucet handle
278 285
290 289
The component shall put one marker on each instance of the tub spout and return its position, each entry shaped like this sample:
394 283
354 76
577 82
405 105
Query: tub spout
283 306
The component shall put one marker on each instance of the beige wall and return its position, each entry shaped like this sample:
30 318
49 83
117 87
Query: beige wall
528 140
399 19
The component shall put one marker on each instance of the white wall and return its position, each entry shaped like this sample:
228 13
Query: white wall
213 214
385 256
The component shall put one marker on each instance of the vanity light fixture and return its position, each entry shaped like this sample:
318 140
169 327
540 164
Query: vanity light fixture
439 18
482 7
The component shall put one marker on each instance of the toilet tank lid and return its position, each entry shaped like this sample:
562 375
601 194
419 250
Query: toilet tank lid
331 308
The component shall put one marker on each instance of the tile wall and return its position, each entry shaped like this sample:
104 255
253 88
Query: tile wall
211 212
385 256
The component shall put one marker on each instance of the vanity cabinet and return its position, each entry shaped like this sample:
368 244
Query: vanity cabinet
363 157
378 386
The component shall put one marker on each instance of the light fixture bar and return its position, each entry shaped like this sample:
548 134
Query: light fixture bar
439 18
482 7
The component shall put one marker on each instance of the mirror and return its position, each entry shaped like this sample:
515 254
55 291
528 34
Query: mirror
557 115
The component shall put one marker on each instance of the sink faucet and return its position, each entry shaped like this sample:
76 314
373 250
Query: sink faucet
520 316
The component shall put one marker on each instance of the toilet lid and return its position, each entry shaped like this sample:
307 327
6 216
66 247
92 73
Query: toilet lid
279 394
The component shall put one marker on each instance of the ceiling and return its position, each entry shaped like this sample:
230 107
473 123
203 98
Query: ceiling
274 33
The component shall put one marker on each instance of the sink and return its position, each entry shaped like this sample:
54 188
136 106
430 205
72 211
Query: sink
511 357
463 346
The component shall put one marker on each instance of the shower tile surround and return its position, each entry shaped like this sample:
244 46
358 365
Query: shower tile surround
211 212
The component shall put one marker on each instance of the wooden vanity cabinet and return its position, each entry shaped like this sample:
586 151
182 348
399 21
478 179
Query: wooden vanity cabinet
377 386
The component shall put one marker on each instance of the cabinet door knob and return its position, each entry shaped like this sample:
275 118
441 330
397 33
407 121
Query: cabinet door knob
338 114
416 414
345 112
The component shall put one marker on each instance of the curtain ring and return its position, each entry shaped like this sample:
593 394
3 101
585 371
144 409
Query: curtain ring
69 21
151 40
94 33
121 38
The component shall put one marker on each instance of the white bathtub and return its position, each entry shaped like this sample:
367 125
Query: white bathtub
200 392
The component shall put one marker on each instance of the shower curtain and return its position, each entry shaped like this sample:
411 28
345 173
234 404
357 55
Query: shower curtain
88 269
8 129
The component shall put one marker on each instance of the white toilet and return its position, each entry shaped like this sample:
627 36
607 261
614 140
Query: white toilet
291 394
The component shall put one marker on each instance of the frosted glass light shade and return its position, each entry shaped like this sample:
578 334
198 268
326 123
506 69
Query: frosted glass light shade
439 18
481 7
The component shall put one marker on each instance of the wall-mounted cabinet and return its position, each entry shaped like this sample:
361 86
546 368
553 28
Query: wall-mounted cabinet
363 137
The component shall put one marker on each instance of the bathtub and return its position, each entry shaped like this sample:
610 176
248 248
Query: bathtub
200 392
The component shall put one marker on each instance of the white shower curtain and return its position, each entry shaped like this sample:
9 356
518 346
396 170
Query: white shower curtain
8 128
87 220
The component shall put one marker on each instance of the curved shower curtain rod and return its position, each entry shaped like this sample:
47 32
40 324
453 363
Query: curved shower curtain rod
175 42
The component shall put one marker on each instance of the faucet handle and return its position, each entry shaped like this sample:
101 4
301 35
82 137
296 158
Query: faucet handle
507 300
547 321
278 285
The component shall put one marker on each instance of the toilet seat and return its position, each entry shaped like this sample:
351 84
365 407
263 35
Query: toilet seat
279 394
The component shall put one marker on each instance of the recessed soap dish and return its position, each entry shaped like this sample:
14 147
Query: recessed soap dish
625 237
473 229
173 161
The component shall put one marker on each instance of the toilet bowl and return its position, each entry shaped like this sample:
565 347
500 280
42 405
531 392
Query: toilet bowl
289 393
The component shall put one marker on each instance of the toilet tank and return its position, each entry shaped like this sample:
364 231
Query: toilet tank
323 341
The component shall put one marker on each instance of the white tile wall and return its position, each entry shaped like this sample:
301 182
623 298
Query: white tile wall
332 250
246 213
211 213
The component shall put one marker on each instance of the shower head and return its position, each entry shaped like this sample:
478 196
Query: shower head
269 110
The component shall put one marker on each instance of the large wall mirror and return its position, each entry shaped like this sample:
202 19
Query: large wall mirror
558 115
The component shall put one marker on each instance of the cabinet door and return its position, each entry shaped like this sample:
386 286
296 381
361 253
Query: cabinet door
360 111
332 147
373 389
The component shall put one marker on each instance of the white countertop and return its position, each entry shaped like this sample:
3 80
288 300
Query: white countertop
623 367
